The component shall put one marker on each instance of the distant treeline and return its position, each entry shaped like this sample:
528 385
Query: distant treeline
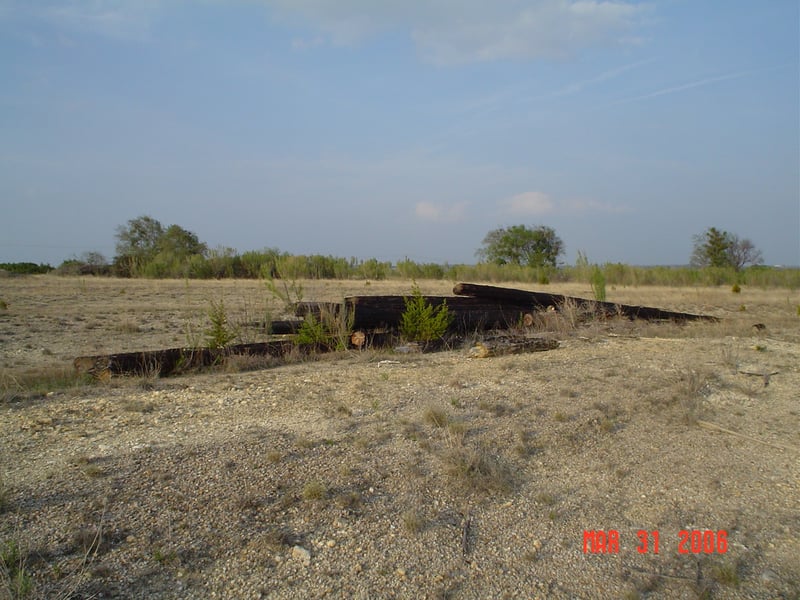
273 264
25 268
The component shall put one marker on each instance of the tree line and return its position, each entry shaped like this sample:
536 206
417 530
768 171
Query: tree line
146 248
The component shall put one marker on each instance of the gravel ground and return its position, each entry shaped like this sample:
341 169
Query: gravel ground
376 475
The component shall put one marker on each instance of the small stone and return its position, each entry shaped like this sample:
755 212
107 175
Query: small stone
301 554
537 544
769 576
401 573
330 543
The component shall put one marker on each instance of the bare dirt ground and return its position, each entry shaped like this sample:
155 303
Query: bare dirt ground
378 475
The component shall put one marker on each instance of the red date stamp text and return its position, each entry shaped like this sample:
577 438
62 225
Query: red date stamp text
696 541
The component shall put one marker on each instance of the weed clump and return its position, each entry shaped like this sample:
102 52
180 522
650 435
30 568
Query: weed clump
5 496
15 579
330 330
412 521
314 490
436 416
477 470
726 573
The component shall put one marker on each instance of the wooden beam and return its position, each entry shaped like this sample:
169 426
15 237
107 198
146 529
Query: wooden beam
543 300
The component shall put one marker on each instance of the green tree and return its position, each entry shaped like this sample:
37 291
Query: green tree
139 237
137 244
521 245
717 248
711 248
145 247
177 242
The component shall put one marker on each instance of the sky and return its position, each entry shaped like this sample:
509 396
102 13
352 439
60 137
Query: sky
401 128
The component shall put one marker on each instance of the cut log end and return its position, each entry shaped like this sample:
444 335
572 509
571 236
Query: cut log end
358 339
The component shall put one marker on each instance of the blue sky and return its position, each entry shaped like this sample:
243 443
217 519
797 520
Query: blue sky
401 128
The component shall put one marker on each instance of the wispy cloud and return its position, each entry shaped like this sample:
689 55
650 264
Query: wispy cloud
440 213
579 86
118 19
452 33
547 29
535 204
691 85
529 203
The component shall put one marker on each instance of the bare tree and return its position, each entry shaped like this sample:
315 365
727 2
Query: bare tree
742 252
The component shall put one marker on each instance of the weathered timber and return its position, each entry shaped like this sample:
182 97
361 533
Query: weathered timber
543 300
172 360
279 327
377 312
303 309
284 327
511 345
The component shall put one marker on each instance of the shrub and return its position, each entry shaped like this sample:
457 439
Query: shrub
598 282
421 322
220 334
311 332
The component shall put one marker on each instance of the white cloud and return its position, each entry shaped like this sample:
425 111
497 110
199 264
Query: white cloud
530 203
120 19
448 32
539 203
440 213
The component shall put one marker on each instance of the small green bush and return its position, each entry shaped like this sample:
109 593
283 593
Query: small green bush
219 334
421 322
736 289
312 332
598 282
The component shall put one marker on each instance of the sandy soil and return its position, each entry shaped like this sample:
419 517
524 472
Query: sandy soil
379 475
